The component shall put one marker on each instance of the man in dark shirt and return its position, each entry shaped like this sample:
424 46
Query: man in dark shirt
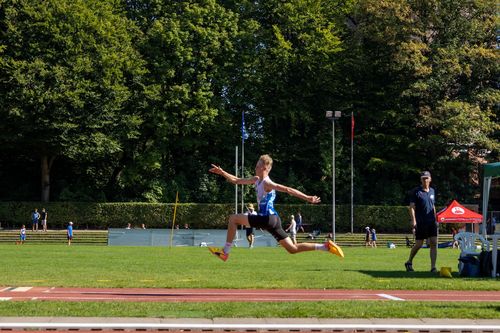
424 221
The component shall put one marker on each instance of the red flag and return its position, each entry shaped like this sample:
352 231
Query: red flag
352 126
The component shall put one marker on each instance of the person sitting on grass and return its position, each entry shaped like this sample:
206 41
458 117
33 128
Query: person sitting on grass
267 217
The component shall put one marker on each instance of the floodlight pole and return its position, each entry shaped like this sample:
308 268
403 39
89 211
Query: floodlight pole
332 115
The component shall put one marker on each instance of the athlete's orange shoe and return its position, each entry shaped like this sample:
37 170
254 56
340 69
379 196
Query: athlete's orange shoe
219 253
334 248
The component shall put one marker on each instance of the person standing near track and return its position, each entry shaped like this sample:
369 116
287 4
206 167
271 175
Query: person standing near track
22 235
267 217
424 220
35 216
249 230
292 228
367 237
299 223
373 233
69 232
43 217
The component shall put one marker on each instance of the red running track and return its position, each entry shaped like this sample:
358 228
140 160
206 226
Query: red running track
237 295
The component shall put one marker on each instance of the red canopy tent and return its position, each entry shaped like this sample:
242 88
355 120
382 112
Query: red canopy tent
456 213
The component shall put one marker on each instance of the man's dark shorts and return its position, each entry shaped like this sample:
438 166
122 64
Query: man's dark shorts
424 231
249 231
271 223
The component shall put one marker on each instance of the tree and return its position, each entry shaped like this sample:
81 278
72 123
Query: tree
187 46
66 68
426 73
286 84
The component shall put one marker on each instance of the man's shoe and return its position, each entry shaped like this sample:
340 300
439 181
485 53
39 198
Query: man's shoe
409 266
334 248
216 251
434 270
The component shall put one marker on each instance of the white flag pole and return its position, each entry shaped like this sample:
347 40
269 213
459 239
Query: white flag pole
236 185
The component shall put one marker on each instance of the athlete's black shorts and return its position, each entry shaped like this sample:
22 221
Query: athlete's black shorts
271 223
249 231
424 231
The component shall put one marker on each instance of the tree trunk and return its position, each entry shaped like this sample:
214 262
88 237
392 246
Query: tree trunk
46 165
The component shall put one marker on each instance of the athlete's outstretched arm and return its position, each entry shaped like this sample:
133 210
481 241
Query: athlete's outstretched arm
269 185
232 178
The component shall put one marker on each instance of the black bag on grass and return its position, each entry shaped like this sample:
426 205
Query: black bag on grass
469 266
485 263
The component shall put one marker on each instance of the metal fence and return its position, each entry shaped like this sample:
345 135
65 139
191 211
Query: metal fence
183 237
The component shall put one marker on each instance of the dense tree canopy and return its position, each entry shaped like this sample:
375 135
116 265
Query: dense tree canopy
133 99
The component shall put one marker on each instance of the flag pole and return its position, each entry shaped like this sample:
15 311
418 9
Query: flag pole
352 173
236 185
242 169
244 136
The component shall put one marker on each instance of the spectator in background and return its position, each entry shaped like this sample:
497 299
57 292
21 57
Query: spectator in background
69 232
35 216
292 228
129 226
43 217
143 226
454 244
250 230
367 237
299 223
22 235
374 237
408 242
186 226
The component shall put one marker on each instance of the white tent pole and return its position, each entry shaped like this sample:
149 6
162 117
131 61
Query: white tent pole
486 197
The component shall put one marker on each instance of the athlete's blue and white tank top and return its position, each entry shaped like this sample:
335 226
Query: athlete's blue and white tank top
265 200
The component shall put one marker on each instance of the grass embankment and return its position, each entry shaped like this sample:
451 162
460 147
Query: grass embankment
191 267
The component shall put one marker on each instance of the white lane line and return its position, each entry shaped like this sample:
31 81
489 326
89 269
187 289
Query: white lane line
394 298
5 298
21 289
4 289
206 326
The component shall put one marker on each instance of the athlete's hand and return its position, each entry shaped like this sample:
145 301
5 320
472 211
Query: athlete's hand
216 169
314 199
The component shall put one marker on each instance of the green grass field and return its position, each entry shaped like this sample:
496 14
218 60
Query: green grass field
192 267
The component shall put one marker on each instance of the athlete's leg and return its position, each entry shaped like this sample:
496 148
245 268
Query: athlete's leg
296 248
234 221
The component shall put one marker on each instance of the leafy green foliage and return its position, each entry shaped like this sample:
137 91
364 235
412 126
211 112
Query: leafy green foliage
66 68
132 100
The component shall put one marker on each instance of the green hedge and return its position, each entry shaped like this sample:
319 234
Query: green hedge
386 219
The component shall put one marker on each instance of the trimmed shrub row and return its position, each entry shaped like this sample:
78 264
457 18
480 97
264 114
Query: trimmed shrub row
386 219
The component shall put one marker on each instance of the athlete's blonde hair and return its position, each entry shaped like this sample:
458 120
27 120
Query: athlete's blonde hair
267 160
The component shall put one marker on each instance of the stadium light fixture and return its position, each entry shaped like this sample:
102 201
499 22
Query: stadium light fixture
332 116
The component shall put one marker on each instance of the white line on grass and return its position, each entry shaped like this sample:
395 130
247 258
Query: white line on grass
394 298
